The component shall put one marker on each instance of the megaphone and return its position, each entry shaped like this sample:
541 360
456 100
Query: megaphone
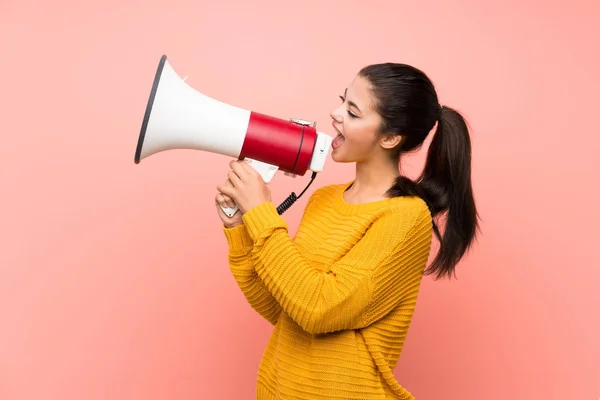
180 117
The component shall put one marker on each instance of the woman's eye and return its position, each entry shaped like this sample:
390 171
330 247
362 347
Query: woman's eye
350 113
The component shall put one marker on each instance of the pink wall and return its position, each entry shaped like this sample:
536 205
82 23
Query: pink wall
113 276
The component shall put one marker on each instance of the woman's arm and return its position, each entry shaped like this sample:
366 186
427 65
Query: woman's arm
367 283
242 268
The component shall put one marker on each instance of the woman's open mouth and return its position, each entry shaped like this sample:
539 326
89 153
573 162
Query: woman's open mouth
338 140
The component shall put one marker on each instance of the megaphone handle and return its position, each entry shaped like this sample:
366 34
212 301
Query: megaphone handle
266 171
230 211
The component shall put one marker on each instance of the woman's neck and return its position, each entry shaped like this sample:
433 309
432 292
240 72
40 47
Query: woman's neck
373 179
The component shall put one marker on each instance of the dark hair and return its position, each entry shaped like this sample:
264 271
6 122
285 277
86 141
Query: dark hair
407 102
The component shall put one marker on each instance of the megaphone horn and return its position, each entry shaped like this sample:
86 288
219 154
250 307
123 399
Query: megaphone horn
179 117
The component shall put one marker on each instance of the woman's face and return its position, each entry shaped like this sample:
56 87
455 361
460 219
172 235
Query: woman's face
357 125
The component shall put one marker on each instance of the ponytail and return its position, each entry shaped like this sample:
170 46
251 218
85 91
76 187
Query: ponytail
446 187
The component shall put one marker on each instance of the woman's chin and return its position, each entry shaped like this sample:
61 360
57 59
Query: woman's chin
335 156
338 156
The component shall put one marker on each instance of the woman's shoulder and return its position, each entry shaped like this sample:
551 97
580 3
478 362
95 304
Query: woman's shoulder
404 210
410 204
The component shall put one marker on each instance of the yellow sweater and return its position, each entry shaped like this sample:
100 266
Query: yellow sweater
340 294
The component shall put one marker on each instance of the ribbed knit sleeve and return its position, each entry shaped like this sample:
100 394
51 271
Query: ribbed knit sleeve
364 285
242 269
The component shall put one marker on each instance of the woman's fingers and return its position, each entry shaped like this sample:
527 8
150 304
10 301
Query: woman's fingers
224 200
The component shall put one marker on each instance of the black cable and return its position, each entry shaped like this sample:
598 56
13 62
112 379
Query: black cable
291 199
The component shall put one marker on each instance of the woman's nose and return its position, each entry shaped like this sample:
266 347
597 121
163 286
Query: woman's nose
336 115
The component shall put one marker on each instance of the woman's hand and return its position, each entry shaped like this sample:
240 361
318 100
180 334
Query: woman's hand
226 201
245 186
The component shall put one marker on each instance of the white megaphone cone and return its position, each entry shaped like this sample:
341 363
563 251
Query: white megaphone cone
179 117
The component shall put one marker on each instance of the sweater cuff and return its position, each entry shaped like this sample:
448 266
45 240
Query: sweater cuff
262 217
238 239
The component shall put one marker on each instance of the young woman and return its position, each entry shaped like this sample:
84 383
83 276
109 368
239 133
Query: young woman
342 292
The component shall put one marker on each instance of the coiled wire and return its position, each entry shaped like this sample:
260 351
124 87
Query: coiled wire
291 199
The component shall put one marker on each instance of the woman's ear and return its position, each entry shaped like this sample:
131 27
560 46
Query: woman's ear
389 141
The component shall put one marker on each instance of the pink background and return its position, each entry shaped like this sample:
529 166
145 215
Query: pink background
113 276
